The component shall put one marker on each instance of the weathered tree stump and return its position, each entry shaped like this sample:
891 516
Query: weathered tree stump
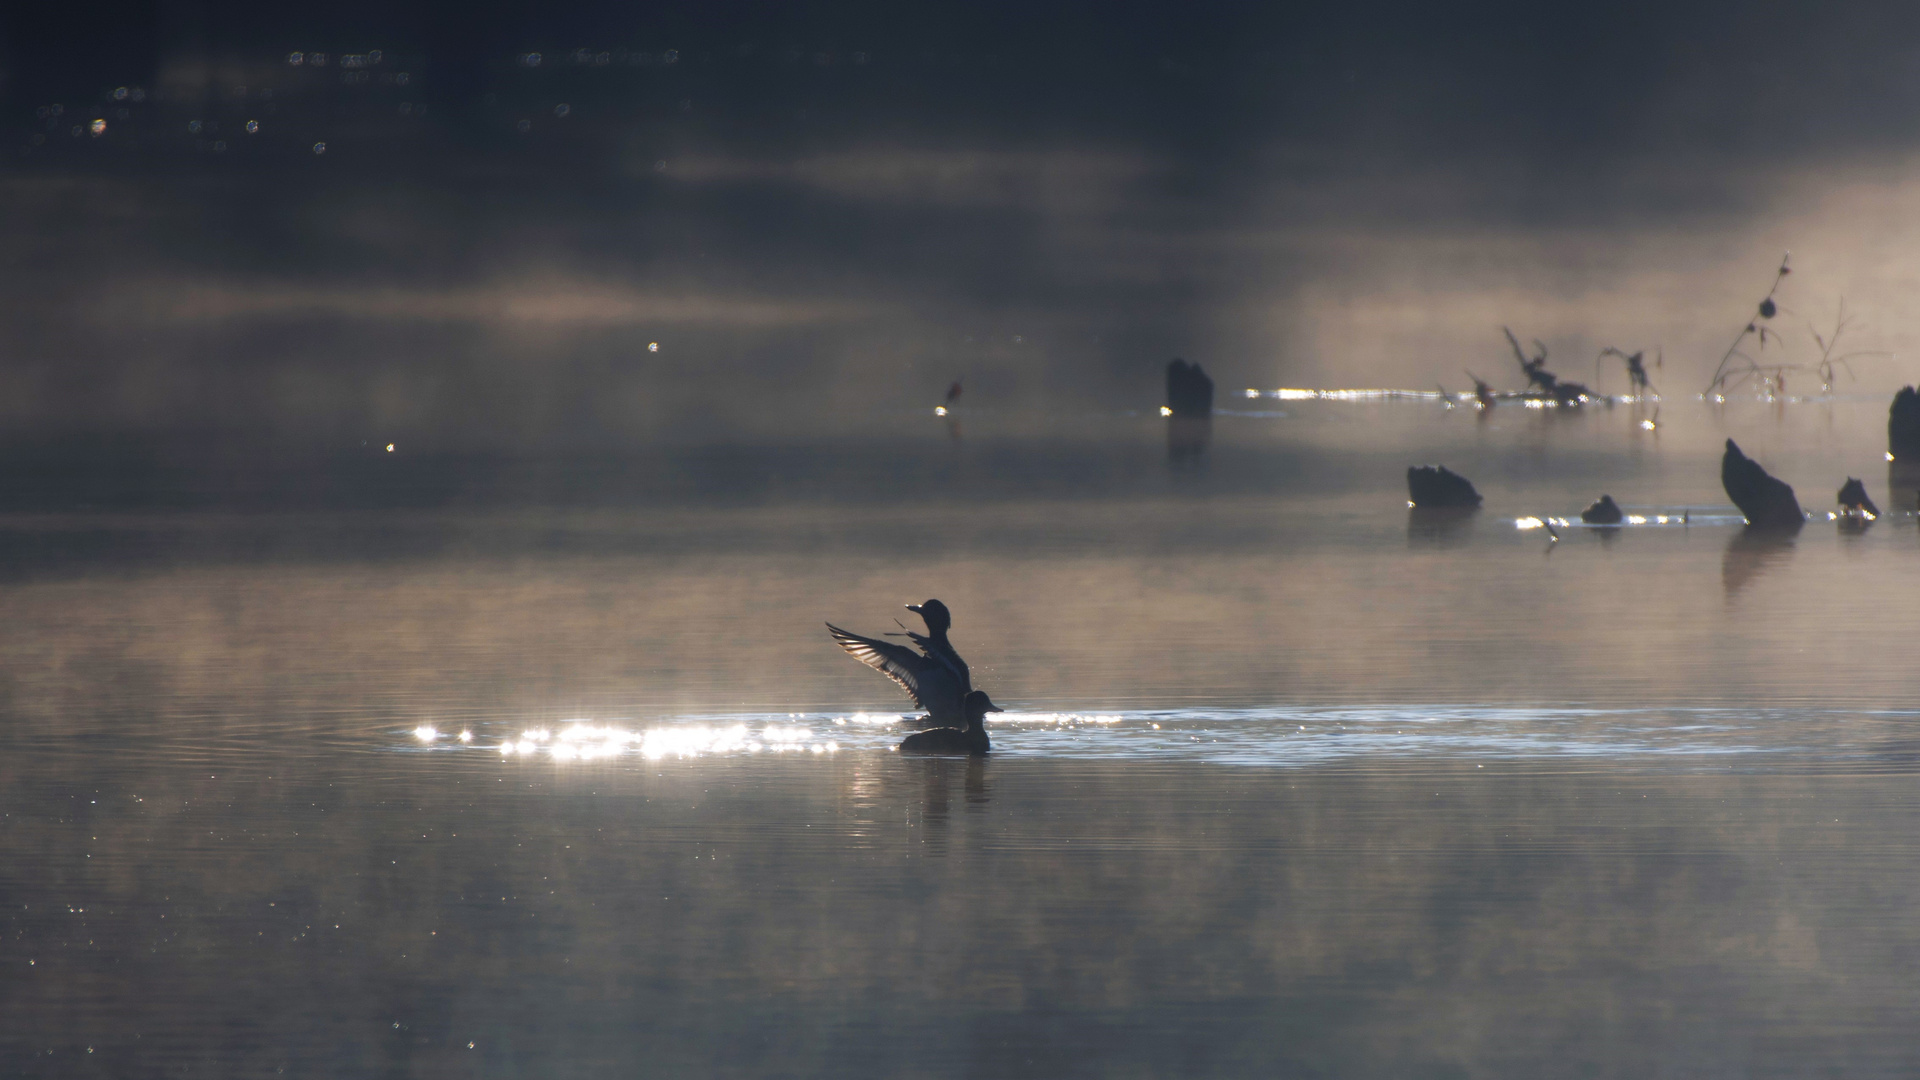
1903 426
1189 391
1853 499
1436 486
1766 503
1603 512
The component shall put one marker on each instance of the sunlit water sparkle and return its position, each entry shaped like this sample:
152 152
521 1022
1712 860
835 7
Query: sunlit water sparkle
1265 738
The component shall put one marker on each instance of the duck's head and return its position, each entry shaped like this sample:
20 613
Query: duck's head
935 612
978 705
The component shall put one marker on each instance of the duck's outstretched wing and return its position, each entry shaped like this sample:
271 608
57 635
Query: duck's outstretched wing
896 662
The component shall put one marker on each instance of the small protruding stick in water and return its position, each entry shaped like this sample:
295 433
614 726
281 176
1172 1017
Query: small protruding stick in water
1636 368
1534 367
1766 310
1482 391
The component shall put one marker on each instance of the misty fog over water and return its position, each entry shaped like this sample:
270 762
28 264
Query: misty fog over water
817 217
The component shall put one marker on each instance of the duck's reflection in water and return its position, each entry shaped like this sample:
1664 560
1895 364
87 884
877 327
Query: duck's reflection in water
1903 486
1443 527
1751 551
937 777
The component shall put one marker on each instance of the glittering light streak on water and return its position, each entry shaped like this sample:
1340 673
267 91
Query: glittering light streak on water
1254 737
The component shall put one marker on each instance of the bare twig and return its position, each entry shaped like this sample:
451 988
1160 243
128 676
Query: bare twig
1766 310
1828 362
1636 368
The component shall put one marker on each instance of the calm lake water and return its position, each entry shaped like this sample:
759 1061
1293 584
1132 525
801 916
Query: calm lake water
1292 782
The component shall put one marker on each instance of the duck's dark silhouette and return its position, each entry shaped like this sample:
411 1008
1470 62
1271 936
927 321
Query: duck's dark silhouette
935 677
970 739
934 642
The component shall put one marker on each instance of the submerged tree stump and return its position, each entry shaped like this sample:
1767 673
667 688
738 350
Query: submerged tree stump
1903 426
1189 391
1603 512
1766 502
1436 486
1853 499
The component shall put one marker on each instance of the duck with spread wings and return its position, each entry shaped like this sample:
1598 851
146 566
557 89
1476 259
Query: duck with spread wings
936 678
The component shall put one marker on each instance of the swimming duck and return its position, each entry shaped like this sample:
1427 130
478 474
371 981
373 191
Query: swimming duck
935 677
971 739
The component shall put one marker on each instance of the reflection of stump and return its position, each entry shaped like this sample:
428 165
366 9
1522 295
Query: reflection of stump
1188 437
1903 426
1189 391
1440 527
1750 553
1603 512
1903 485
1436 486
1767 503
